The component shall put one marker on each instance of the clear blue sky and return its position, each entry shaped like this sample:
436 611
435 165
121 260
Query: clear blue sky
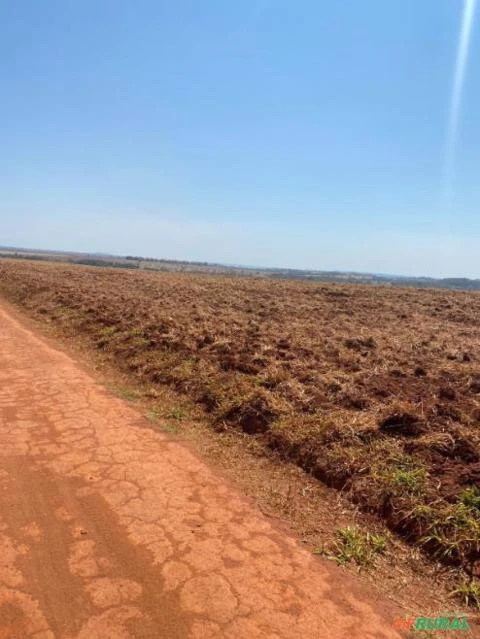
305 134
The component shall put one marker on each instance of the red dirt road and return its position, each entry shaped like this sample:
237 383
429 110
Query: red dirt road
110 530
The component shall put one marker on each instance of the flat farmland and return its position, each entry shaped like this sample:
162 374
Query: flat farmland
372 390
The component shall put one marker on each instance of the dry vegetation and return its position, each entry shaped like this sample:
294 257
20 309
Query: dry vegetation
375 391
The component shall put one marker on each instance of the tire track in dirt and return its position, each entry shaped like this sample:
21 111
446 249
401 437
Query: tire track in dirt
111 530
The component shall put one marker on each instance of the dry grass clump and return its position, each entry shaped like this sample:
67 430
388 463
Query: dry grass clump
353 544
375 391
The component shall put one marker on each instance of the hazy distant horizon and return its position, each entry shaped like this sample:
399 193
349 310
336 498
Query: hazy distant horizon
238 265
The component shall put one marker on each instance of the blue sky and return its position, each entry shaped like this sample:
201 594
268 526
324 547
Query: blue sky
308 134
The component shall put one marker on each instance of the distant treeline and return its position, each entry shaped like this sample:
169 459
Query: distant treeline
20 256
456 283
105 263
137 258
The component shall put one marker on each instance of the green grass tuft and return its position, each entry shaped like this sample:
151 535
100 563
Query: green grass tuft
469 592
353 544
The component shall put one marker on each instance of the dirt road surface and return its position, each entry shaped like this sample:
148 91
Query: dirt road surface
111 530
